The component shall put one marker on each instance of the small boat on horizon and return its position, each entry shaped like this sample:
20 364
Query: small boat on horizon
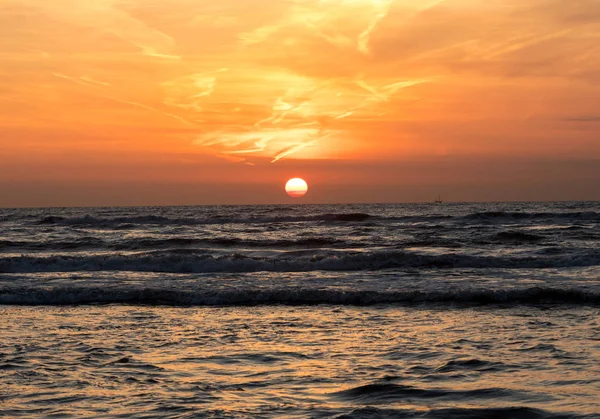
438 200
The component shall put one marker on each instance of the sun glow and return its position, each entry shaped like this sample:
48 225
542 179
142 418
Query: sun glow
296 187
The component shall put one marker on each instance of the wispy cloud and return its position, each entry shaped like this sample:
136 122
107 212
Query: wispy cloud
384 93
523 42
108 16
190 92
291 150
96 84
277 143
282 108
382 8
259 35
82 80
151 52
303 116
90 80
153 109
322 19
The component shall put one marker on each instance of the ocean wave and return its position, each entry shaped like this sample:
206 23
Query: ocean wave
310 242
124 222
390 392
190 261
88 243
88 220
295 296
147 243
461 413
517 237
8 244
57 245
472 364
515 215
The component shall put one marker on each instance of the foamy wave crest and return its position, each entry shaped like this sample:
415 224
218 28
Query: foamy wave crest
63 295
188 261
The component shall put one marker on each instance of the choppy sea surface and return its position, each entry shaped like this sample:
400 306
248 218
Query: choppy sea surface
354 311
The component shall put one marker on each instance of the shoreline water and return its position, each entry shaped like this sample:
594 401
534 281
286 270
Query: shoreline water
349 311
320 361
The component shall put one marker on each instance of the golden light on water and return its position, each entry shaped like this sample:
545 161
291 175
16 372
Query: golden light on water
296 187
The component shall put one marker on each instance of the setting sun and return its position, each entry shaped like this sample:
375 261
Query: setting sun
296 187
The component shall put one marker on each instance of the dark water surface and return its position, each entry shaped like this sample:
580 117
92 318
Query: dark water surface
418 311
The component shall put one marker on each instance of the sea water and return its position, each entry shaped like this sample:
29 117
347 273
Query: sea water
390 310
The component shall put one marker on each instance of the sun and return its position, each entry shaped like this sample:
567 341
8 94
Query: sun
296 187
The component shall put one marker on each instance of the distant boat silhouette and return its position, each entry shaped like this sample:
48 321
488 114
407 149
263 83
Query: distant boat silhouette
438 200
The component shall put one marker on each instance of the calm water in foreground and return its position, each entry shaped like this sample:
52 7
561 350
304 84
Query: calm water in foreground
360 311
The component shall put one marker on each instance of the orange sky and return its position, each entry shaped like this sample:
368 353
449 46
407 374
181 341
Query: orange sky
114 102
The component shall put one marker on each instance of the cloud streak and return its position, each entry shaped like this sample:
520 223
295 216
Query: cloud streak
82 80
291 150
96 84
107 16
382 8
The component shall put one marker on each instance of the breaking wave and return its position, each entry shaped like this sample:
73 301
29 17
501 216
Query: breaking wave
189 261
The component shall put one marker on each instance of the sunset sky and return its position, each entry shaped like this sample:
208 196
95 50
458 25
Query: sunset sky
131 102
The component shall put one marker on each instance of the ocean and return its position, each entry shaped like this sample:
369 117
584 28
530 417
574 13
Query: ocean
486 310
